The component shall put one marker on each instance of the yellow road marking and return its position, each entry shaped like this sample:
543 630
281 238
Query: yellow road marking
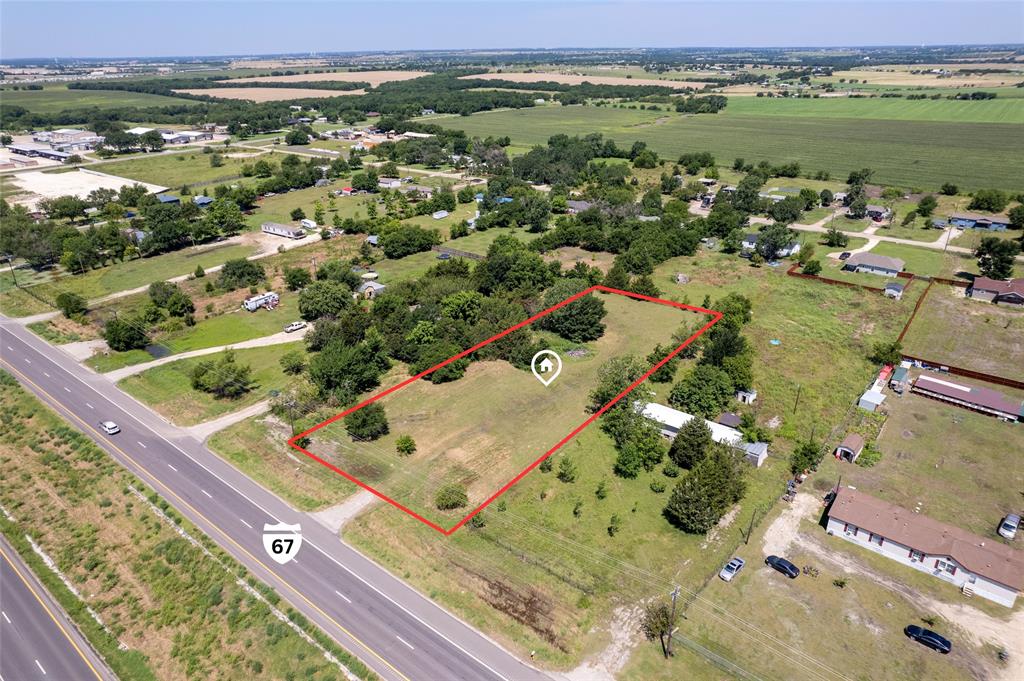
210 523
49 612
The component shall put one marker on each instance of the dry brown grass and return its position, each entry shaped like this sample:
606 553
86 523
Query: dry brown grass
269 94
572 79
374 78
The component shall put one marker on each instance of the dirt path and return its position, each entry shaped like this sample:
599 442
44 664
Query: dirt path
784 532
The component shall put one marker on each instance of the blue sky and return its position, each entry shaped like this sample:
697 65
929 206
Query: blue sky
85 28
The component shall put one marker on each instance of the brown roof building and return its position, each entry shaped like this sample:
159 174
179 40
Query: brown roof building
998 291
986 566
984 400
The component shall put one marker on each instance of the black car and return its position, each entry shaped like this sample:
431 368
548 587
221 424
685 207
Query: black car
927 637
844 255
783 566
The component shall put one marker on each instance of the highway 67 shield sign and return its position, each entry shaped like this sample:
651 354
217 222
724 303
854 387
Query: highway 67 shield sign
282 541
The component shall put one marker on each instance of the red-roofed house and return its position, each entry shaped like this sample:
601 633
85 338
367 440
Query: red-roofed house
1010 292
977 565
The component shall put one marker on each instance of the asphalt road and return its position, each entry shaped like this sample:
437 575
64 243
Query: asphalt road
37 640
392 628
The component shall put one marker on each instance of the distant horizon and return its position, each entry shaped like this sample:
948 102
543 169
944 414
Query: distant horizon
220 29
513 50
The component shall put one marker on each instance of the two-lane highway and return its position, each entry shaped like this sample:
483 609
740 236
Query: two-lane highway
392 628
37 640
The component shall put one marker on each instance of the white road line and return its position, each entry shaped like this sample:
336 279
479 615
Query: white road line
343 596
9 619
246 524
404 641
46 374
172 468
10 348
66 389
28 361
399 584
40 667
206 493
141 445
89 405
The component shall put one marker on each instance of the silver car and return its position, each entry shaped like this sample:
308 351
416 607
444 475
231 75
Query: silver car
731 569
110 428
1008 528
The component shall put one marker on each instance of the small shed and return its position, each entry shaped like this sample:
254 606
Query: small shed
900 379
871 400
370 289
756 453
894 290
746 396
373 239
850 448
682 278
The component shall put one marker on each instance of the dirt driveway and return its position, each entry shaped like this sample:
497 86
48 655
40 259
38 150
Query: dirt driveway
785 533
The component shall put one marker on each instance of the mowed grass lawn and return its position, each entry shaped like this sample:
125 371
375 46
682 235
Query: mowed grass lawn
894 108
167 389
180 168
1001 327
56 98
961 467
912 153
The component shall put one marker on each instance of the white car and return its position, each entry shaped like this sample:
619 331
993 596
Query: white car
1008 528
294 326
731 569
110 428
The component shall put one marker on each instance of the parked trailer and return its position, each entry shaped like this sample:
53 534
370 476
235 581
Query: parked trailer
268 300
277 229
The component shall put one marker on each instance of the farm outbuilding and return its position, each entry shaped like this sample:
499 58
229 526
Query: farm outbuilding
850 448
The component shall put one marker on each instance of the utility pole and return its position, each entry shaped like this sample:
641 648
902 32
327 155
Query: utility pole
14 274
750 528
672 630
796 403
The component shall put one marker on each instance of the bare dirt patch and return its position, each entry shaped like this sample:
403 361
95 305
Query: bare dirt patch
374 78
574 79
269 94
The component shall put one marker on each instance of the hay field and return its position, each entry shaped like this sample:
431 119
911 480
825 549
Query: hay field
269 94
572 79
901 75
374 78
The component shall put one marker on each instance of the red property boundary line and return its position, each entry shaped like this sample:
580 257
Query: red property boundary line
716 317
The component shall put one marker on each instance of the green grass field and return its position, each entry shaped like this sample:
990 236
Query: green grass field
177 169
56 98
913 153
986 111
168 391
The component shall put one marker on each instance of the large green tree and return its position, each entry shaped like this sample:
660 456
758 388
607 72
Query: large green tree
705 391
996 257
691 443
580 320
701 498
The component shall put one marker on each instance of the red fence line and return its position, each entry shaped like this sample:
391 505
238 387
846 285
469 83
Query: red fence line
969 373
920 301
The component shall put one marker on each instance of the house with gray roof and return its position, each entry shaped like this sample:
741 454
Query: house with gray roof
872 263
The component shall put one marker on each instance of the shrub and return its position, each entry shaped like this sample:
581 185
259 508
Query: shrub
657 486
813 267
670 470
451 496
71 304
368 423
869 457
405 445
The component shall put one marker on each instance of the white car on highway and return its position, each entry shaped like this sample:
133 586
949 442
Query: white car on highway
110 428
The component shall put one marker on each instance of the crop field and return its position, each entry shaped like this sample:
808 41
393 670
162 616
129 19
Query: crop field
269 94
941 456
986 111
1001 327
374 78
177 169
56 98
574 79
903 152
168 391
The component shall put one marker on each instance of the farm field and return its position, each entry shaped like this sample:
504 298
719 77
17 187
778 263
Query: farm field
177 169
573 79
56 98
903 152
374 78
985 111
947 307
941 456
168 391
269 94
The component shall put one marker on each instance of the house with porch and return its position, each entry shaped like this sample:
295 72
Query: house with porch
995 223
978 566
997 291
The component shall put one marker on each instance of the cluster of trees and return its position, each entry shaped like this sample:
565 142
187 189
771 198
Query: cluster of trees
996 257
564 158
222 377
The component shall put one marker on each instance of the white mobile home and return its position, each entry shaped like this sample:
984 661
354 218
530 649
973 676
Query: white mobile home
277 229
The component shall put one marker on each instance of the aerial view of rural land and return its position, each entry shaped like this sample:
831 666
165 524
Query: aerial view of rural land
512 340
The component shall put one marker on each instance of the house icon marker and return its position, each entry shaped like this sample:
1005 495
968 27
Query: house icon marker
545 366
